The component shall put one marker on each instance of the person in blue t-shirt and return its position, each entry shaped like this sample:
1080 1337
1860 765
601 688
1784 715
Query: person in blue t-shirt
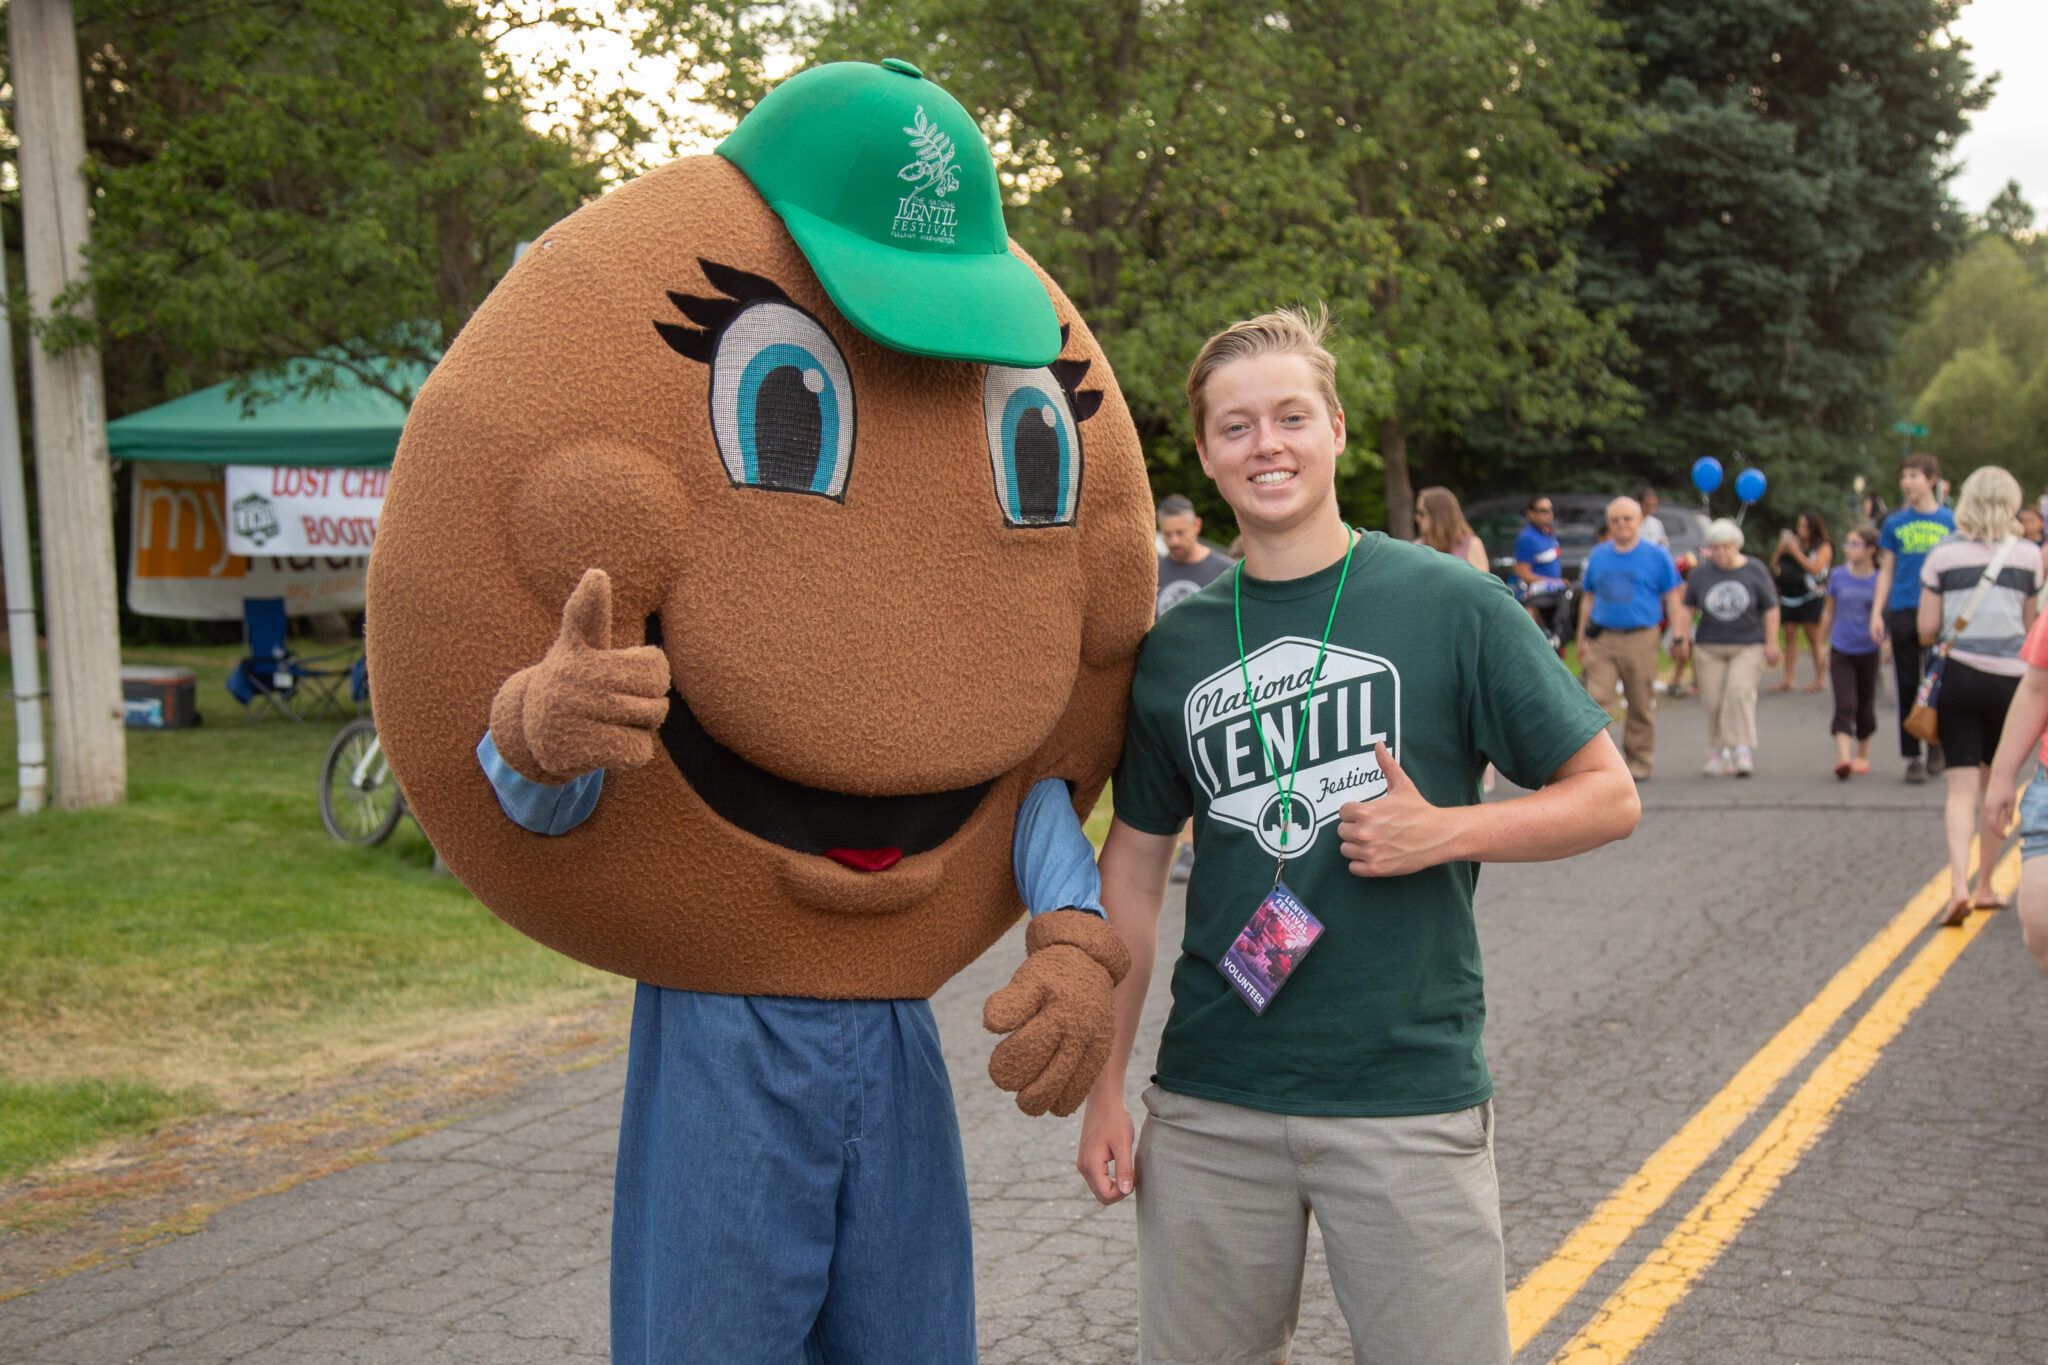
1629 587
1902 543
1538 564
1539 573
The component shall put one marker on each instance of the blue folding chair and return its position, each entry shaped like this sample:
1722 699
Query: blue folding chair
276 677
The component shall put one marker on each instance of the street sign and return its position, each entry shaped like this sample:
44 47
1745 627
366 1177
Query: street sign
1909 429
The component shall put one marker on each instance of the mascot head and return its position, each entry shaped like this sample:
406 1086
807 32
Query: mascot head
856 466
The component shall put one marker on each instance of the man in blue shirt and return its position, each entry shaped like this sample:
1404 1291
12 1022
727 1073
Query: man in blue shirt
1629 587
1902 543
1538 568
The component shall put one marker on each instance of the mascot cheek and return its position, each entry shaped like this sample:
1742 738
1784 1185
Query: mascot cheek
600 505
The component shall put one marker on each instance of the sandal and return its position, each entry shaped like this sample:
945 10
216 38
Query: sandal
1860 766
1842 771
1993 904
1958 911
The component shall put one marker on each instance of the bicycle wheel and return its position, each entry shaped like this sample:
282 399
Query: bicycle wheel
359 799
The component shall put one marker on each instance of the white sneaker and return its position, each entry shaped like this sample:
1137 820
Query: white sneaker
1718 763
1745 762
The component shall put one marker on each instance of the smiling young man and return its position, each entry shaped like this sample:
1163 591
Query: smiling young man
1325 721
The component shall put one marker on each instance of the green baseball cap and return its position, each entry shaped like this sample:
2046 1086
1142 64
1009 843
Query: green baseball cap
890 192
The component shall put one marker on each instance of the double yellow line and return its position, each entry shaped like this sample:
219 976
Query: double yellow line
1634 1311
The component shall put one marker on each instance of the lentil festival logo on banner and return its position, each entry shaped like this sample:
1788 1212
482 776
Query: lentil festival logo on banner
290 510
1338 714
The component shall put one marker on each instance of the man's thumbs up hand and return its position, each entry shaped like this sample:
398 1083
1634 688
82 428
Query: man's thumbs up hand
1396 833
585 705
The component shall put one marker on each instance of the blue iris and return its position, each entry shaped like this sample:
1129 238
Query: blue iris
789 420
1038 461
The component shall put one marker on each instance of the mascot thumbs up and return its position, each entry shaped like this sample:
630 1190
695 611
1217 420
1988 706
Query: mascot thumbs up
751 615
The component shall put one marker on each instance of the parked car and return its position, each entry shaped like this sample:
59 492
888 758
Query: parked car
1579 518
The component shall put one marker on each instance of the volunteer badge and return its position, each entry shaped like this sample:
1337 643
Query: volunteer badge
1353 705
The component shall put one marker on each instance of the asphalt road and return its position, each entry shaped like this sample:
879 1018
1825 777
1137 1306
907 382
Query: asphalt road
1626 989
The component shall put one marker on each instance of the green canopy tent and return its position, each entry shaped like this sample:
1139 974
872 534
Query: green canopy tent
342 424
195 461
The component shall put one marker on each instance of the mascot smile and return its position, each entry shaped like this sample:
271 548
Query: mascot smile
751 615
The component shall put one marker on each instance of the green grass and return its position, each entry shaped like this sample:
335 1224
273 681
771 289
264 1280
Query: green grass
40 1123
209 933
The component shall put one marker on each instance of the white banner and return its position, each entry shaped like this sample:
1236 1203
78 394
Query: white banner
180 563
286 510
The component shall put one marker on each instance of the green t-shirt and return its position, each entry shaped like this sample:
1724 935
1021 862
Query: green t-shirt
1436 660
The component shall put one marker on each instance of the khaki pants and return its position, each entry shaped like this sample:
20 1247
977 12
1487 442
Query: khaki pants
1408 1208
1631 657
1728 678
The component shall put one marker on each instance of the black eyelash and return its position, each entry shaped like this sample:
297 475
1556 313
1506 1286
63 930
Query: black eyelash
740 289
712 314
1085 402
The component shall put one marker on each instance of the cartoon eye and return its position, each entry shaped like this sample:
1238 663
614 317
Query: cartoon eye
1033 446
782 402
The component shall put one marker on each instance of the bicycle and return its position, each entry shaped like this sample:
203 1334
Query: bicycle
359 798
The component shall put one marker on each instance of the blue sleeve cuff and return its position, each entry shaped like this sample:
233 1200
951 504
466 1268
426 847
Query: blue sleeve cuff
536 806
1053 860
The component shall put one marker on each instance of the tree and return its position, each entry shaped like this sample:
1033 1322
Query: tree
1988 296
1775 223
1973 412
1178 166
2009 214
282 179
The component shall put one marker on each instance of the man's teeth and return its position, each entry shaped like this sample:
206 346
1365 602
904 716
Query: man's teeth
1273 476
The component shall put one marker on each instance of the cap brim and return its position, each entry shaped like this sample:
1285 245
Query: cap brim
981 307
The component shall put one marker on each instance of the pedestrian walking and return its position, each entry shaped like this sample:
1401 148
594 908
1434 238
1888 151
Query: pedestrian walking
2026 734
1653 525
1630 586
1977 601
1440 524
1852 655
1189 564
1903 540
1735 639
1799 567
1355 1089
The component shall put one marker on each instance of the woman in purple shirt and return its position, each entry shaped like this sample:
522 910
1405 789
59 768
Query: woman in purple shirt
1852 653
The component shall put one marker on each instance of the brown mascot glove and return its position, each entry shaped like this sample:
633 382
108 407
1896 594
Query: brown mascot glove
1059 1010
585 705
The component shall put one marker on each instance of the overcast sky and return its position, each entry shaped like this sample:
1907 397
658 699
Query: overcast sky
2008 141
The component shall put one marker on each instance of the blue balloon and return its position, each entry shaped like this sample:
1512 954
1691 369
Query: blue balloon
1750 485
1706 473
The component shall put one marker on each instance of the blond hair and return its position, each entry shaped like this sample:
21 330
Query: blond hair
1286 331
1988 506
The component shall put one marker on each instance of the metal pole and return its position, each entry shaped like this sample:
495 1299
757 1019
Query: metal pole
14 565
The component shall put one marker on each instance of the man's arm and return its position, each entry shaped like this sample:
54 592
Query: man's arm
1134 867
1680 617
1585 615
1887 567
1589 801
1772 619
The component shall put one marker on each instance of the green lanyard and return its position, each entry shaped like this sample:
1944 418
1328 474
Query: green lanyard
1245 671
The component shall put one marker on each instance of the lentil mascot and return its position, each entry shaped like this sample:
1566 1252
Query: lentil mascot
752 613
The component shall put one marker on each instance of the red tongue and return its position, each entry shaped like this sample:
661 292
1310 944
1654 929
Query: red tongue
866 859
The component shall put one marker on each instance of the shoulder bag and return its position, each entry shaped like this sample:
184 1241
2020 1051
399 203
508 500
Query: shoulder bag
1921 721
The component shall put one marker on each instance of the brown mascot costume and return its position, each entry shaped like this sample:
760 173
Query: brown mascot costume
751 615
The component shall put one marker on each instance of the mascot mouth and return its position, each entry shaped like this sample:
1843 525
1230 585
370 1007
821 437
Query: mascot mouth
865 833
